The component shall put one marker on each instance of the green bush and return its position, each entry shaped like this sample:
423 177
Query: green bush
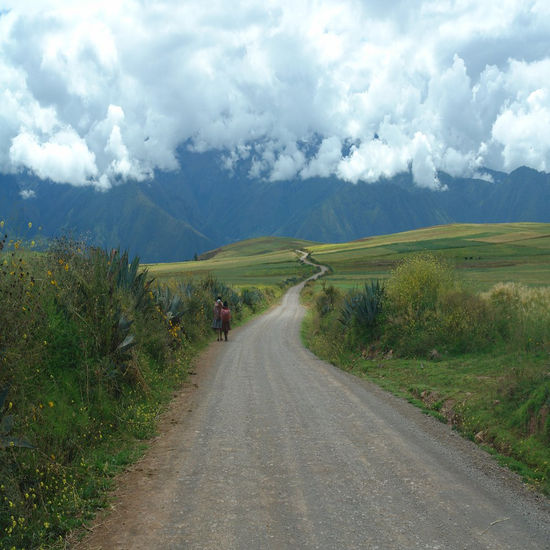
414 294
327 300
463 323
417 283
253 298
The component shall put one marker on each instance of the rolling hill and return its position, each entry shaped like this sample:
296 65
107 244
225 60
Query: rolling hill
483 254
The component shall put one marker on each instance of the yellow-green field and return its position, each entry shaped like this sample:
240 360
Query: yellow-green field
484 255
257 262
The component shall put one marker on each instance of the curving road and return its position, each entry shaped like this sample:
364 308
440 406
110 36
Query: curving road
284 451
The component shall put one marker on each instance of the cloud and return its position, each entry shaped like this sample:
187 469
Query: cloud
27 194
522 130
65 157
328 155
97 93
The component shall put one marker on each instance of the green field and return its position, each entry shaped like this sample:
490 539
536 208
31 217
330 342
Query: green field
257 262
484 254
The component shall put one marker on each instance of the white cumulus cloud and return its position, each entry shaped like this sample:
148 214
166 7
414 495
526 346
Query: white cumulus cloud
64 157
98 93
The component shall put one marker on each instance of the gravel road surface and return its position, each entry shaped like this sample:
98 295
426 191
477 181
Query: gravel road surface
282 450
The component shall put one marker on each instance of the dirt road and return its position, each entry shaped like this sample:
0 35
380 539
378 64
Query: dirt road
279 450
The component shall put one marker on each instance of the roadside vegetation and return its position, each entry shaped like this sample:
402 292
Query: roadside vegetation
478 360
91 349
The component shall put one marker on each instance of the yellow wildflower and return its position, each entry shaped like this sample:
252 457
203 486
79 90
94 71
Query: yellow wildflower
30 225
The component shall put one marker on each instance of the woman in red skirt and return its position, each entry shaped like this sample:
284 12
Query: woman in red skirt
226 318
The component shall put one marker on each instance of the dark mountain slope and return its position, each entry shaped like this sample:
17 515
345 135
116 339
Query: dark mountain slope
203 206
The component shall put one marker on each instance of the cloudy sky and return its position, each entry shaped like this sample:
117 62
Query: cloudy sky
100 92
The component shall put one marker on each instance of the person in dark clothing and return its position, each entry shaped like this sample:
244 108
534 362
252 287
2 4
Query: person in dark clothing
217 320
226 319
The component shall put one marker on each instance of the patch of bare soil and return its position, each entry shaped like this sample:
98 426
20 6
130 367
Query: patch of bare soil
150 474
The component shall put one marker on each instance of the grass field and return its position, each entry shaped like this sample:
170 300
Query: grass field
260 262
484 254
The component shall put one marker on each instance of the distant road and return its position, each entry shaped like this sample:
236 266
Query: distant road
284 451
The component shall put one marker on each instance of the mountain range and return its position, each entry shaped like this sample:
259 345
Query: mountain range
176 215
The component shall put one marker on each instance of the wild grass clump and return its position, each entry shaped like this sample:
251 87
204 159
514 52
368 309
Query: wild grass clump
90 349
521 314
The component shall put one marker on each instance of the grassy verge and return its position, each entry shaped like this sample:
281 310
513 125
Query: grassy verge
499 399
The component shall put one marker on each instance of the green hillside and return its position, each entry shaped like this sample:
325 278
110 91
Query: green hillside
265 261
484 254
202 206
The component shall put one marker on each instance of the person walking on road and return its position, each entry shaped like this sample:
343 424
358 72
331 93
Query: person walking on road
226 319
217 320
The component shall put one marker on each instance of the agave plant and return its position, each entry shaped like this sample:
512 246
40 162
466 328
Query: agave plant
252 297
187 289
363 307
6 426
171 304
128 277
124 340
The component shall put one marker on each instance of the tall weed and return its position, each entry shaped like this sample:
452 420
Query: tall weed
521 314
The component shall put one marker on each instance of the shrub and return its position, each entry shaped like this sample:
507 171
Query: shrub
326 300
416 284
463 322
414 293
252 297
